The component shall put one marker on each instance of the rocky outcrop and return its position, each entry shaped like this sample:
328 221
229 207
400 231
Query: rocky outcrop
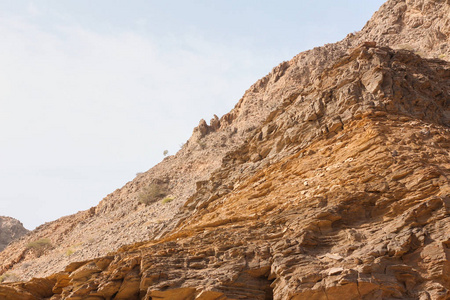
420 26
10 229
347 198
329 179
121 219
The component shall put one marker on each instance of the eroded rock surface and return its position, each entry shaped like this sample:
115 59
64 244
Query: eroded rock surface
328 180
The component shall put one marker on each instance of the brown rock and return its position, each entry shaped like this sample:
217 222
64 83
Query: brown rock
181 294
203 128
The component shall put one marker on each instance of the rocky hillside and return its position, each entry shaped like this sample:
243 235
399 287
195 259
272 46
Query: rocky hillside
329 179
121 219
10 229
343 191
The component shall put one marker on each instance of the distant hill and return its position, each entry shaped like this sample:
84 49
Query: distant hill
10 229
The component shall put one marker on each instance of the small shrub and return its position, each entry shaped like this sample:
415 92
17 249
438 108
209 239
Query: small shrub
69 252
152 193
165 152
9 277
406 47
39 244
420 53
39 247
167 200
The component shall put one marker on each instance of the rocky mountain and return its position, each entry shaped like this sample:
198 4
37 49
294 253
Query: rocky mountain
328 180
10 229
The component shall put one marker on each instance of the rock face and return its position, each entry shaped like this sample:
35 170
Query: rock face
10 229
121 219
328 180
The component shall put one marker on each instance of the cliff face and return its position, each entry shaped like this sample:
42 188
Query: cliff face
329 179
10 229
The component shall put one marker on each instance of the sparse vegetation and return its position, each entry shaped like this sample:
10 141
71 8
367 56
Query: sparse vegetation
420 53
152 193
39 244
72 249
9 277
167 200
165 152
406 47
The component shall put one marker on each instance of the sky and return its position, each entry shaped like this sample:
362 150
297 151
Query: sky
93 92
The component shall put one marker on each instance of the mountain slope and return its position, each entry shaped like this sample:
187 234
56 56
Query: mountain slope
355 207
337 161
119 219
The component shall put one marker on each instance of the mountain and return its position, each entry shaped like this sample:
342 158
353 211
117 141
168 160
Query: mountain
328 180
10 229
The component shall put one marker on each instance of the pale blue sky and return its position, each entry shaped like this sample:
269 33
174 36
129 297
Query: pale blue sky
92 92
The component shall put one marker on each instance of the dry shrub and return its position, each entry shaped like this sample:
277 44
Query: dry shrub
152 193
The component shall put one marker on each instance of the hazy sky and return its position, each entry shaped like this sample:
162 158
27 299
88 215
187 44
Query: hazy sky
92 92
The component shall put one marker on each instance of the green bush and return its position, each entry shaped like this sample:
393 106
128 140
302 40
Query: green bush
167 200
69 252
152 193
39 244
